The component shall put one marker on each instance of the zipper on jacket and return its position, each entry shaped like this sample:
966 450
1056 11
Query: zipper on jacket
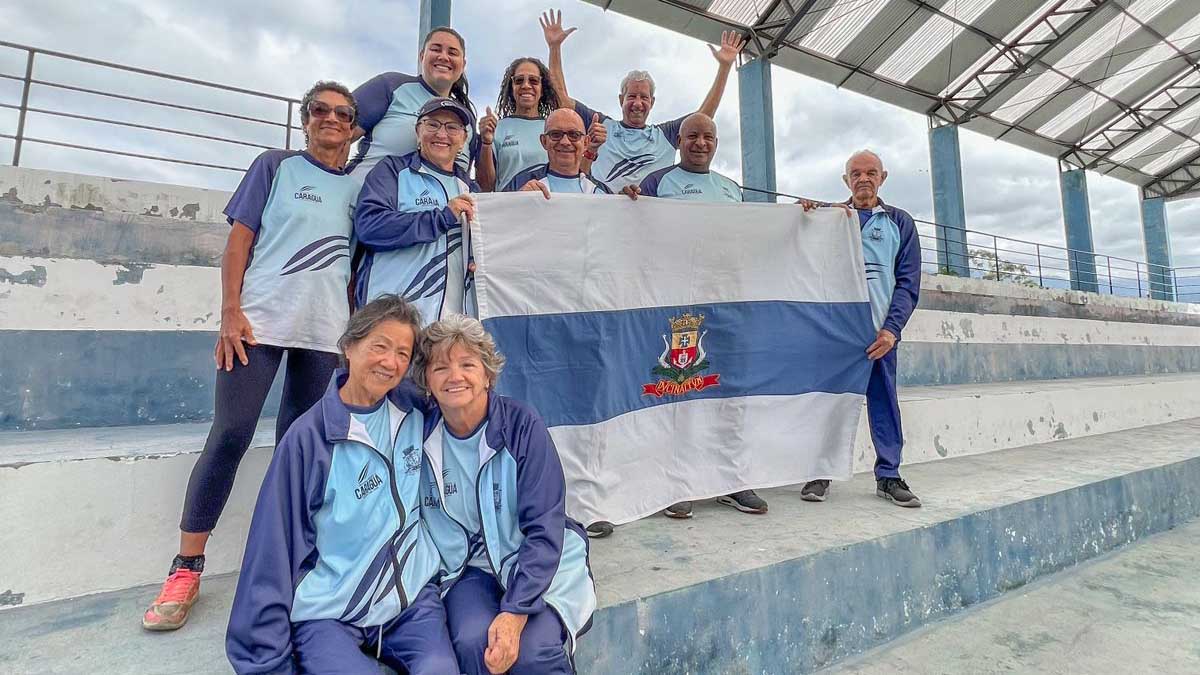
401 513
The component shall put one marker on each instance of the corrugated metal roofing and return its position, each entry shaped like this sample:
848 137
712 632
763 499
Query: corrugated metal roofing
1109 85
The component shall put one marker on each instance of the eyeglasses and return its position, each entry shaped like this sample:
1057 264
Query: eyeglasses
531 80
321 110
451 127
557 135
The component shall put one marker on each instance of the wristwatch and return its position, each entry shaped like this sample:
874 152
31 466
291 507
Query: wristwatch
590 154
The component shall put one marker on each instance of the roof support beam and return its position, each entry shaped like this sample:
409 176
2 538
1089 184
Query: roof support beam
1181 181
1012 60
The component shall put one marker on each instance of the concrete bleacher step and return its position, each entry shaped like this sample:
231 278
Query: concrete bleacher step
795 590
97 509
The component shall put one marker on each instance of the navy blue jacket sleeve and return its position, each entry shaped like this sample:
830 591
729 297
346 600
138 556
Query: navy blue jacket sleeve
379 225
280 541
908 275
541 513
374 97
250 199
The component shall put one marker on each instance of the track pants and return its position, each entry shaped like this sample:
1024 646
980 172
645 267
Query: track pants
883 413
471 605
415 642
240 394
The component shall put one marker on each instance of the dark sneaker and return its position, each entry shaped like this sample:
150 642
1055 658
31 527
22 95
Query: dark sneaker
599 529
814 491
680 510
745 501
896 490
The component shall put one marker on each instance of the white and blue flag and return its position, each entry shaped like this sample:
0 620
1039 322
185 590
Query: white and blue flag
677 350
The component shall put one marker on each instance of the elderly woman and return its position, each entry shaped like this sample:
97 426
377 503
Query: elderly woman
283 291
526 100
389 102
517 587
337 560
409 215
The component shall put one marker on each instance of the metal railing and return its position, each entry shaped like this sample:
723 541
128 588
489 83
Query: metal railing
988 256
42 99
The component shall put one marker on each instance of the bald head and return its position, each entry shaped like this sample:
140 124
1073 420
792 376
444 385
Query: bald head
697 142
864 155
564 153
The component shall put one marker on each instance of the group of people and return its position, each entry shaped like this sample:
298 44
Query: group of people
409 511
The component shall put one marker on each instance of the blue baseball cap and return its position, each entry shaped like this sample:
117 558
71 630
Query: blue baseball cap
435 104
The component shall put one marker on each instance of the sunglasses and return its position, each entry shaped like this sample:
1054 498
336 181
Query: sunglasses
521 80
557 135
320 109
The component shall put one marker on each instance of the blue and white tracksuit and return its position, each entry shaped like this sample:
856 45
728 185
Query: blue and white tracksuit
536 558
412 243
892 254
554 182
337 554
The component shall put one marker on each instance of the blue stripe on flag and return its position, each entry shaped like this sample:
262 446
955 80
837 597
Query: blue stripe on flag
587 367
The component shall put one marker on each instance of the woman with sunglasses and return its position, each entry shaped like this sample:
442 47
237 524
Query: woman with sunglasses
388 103
511 143
283 291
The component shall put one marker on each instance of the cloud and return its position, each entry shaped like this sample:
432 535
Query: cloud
282 46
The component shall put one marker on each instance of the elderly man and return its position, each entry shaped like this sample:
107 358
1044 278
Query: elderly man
691 178
565 142
634 148
892 253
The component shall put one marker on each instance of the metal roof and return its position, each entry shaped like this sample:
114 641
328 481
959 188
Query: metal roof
1107 85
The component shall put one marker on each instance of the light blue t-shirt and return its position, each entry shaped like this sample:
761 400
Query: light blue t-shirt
460 469
378 422
387 112
675 182
294 287
881 244
555 182
517 146
631 153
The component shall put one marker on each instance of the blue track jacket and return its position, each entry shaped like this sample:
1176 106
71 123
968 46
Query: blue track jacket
892 253
336 532
537 554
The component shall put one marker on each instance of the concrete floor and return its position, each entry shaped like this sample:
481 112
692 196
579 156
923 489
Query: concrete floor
1135 610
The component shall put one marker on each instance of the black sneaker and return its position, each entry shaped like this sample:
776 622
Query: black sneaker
745 501
680 510
896 490
814 491
599 529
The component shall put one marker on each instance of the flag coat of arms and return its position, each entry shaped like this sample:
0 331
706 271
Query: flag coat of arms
677 350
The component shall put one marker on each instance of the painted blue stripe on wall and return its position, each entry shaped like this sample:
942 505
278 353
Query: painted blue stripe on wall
587 367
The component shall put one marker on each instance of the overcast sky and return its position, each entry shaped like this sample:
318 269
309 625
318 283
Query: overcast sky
282 46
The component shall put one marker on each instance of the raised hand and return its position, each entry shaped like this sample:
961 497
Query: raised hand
731 46
596 132
552 28
487 127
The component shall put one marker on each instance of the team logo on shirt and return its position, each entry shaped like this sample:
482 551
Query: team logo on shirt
426 199
876 233
412 460
496 498
431 500
691 189
629 166
306 193
682 360
509 141
317 255
451 488
367 482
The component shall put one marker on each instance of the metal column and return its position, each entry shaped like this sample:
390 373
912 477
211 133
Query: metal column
1077 220
433 13
758 129
1157 241
945 163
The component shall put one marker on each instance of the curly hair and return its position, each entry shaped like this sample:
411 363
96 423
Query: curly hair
311 95
506 103
438 337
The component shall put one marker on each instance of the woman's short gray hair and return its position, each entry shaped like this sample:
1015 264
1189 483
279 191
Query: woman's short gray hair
387 307
636 76
439 336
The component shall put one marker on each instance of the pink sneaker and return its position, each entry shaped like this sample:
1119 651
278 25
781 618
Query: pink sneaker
171 607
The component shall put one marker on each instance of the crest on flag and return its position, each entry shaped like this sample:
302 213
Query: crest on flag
682 360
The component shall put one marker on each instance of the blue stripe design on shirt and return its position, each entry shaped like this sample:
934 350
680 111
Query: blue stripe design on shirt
587 367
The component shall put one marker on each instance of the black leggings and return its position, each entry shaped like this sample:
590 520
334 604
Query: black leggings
240 395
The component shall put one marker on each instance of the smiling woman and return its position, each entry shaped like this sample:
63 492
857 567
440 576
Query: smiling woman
284 275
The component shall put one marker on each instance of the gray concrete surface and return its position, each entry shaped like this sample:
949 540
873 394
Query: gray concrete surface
1134 610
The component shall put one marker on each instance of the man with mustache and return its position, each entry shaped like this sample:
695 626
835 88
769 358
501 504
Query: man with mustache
892 253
